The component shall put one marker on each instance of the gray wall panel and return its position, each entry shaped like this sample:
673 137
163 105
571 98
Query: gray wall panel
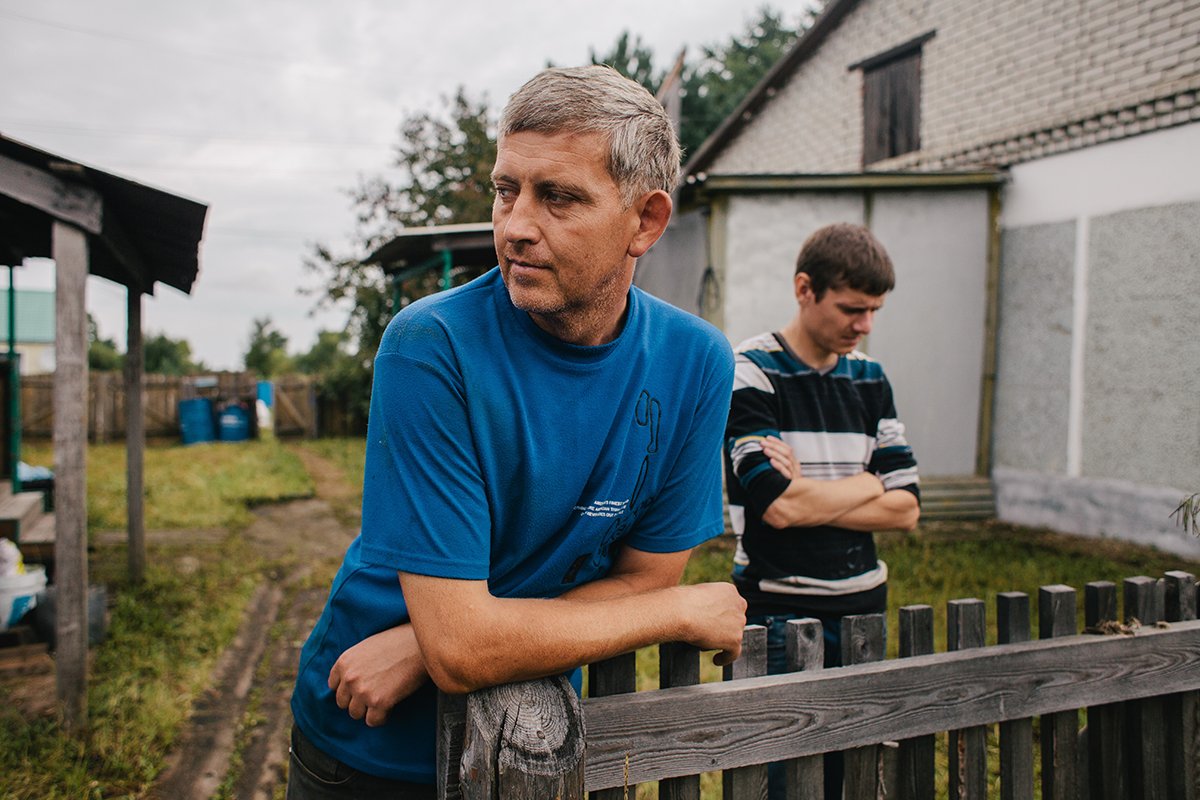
1142 362
674 267
1033 363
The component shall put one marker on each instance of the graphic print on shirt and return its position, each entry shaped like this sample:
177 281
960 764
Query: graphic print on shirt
647 413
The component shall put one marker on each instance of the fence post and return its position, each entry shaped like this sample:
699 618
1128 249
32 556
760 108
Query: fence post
1145 740
616 675
1183 727
747 783
451 716
1016 736
805 777
966 627
523 740
862 643
678 665
1105 777
1059 732
916 755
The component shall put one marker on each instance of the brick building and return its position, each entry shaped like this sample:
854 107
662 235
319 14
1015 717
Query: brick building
1034 169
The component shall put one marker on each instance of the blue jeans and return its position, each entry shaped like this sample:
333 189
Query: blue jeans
313 775
776 625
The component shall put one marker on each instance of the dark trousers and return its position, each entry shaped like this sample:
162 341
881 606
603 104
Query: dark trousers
313 775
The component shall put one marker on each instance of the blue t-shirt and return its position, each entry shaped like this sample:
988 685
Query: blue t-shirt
498 452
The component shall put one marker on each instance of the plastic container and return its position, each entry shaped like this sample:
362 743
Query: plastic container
196 420
234 424
18 594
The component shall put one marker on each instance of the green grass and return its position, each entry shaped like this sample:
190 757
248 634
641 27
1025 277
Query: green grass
211 485
348 454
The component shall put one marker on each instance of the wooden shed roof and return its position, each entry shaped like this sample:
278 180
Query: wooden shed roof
137 235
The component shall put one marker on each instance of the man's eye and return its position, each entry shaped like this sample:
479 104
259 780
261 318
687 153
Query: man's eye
502 191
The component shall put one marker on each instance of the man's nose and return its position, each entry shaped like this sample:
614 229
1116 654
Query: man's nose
864 322
521 222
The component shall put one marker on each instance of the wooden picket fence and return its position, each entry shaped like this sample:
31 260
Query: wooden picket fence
1134 682
295 403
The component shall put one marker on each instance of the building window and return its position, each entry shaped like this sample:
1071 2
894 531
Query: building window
892 101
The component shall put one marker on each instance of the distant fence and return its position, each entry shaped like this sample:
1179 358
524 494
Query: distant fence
294 395
1135 683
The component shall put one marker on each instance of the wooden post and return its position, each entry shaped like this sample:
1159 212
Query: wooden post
1183 725
1146 745
916 755
523 740
1016 736
1106 776
966 627
1059 732
616 675
747 783
805 652
451 719
678 665
135 437
70 473
862 643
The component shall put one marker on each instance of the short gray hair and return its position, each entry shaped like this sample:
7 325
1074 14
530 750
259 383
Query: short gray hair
644 152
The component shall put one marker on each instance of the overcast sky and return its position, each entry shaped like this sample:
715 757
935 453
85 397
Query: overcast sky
266 111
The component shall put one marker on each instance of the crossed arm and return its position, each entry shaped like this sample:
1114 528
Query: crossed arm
464 638
858 503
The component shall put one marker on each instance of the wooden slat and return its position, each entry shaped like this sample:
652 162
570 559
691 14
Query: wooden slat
1146 746
678 665
1016 736
749 781
1183 720
1059 731
1106 753
135 437
805 777
452 716
862 643
66 201
966 627
916 754
776 717
613 676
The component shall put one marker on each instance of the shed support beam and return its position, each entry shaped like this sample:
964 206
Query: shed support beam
70 251
135 437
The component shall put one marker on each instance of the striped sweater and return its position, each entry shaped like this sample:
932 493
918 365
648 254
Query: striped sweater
838 423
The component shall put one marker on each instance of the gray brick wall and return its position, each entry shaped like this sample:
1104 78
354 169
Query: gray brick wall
1003 81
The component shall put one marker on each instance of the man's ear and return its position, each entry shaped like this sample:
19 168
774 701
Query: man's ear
654 212
802 284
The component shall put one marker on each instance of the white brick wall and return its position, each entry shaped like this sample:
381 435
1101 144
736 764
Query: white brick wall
998 73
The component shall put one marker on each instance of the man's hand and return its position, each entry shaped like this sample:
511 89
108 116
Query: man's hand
715 615
377 673
781 456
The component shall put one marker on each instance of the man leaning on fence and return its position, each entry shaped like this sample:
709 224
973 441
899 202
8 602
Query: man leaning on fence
543 451
815 457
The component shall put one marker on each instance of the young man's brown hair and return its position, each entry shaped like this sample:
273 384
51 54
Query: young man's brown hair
841 255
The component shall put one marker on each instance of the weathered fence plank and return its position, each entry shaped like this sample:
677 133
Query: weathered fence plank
1059 731
452 714
678 665
1146 719
616 675
1016 736
966 627
1182 723
805 653
862 643
522 740
749 781
917 754
742 720
1106 722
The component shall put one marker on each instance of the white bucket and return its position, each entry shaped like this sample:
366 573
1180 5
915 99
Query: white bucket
18 594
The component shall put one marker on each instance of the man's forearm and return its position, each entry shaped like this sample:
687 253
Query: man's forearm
807 502
896 509
471 639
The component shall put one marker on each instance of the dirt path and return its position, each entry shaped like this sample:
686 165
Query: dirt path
238 735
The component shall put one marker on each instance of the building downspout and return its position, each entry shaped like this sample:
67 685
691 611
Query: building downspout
991 321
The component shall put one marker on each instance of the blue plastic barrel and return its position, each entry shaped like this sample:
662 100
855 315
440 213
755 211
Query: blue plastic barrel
234 424
196 420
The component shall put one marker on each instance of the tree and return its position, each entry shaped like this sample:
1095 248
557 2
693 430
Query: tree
633 59
267 354
166 356
103 355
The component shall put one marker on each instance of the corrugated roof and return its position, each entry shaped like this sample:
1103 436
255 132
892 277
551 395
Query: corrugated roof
145 235
35 316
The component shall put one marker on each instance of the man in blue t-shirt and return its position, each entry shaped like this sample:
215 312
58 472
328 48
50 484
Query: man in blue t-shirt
543 451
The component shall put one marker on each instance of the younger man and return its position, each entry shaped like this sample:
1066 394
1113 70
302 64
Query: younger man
815 457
